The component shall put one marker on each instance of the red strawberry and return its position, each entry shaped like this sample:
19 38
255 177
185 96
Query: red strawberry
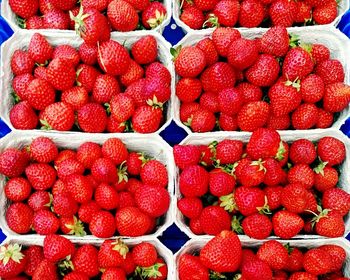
20 84
106 86
61 74
99 5
146 119
303 14
215 255
144 51
102 224
202 121
134 73
317 261
88 53
21 63
186 155
39 200
87 211
223 37
187 110
295 260
154 173
297 64
144 254
282 13
194 181
122 16
230 101
13 162
302 151
325 177
115 150
253 115
67 52
76 97
56 19
85 260
19 218
92 118
39 49
79 187
251 13
122 107
274 254
275 41
319 53
13 262
40 94
112 253
191 266
257 226
312 88
294 198
325 14
43 150
325 119
229 151
195 226
256 268
188 89
34 22
75 276
331 71
190 207
273 195
209 100
263 143
64 205
155 92
153 15
205 5
226 12
57 248
86 76
278 123
305 116
218 77
45 222
130 221
17 189
68 167
139 5
34 256
329 224
331 150
104 170
336 97
88 152
220 182
249 200
338 255
274 174
41 176
250 173
264 71
159 71
45 270
336 199
24 9
113 58
214 219
22 116
190 62
193 17
301 174
249 92
63 5
287 224
106 197
208 47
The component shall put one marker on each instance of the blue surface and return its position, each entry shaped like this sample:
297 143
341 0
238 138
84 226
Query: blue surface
173 238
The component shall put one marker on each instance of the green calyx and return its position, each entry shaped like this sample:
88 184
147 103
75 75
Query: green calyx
236 224
79 25
45 125
295 84
122 172
280 152
319 169
323 213
212 21
121 247
149 272
259 163
228 203
11 252
294 40
213 275
65 266
175 52
265 209
77 228
157 20
155 103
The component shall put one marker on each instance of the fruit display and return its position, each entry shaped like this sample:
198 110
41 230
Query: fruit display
98 187
264 184
56 257
225 257
241 80
59 83
200 14
98 16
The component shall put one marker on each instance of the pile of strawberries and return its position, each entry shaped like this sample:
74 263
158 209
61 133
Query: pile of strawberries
97 88
266 187
102 190
224 258
59 258
98 16
198 14
228 82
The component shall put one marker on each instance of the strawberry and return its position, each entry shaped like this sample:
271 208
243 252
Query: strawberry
57 248
24 9
115 150
55 75
72 226
191 266
253 115
76 97
214 219
159 71
154 173
302 151
45 270
336 199
64 5
193 17
264 71
20 84
21 63
19 217
39 49
188 89
209 100
136 90
75 276
249 200
273 195
87 211
102 224
112 253
215 255
39 200
144 254
250 173
113 273
274 174
86 76
139 5
304 13
294 198
186 155
99 5
325 14
305 116
155 92
190 207
130 221
203 121
256 268
229 151
122 107
68 167
326 177
329 224
34 256
146 119
41 176
88 152
223 37
122 16
40 94
79 187
59 187
220 182
205 5
257 226
226 13
331 150
17 189
134 73
312 88
92 118
274 254
13 162
67 52
325 119
336 97
249 92
43 150
338 255
297 64
45 222
64 205
282 13
286 224
190 62
113 58
134 163
317 261
278 123
88 53
218 77
194 181
12 262
144 51
230 101
301 174
251 13
56 19
85 260
105 87
153 15
106 197
187 110
295 260
275 41
195 226
208 47
263 143
331 71
104 170
34 22
319 53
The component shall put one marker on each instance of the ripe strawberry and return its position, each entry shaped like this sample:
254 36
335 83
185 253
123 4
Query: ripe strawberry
102 224
144 254
17 189
186 155
88 53
294 198
45 222
154 173
191 266
250 173
75 276
92 118
45 270
274 254
68 167
325 177
136 91
264 71
317 261
115 150
209 100
19 217
155 92
275 41
86 76
99 5
195 226
72 226
226 13
57 248
39 49
257 226
21 63
205 5
112 253
229 151
230 101
331 150
85 260
202 121
329 224
282 13
297 64
43 150
338 255
273 195
41 176
336 97
194 181
278 123
325 14
304 13
130 221
104 170
253 115
39 200
113 126
122 16
40 94
59 187
67 52
305 116
134 73
190 62
76 97
331 71
188 89
295 260
106 86
187 110
144 51
325 119
193 17
61 74
106 197
79 187
249 92
63 155
287 224
263 143
113 58
223 37
190 207
20 84
34 22
301 174
312 88
146 119
220 182
319 53
64 5
153 15
159 71
251 13
13 262
139 5
302 151
64 205
249 200
24 9
56 19
215 256
256 268
336 199
274 174
88 152
13 162
34 256
214 219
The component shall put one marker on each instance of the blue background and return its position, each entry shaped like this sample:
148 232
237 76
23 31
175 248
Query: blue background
173 238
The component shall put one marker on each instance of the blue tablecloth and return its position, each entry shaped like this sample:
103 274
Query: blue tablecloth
173 238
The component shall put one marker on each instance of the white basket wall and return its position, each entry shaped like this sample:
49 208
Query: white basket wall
21 39
152 145
288 136
331 37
